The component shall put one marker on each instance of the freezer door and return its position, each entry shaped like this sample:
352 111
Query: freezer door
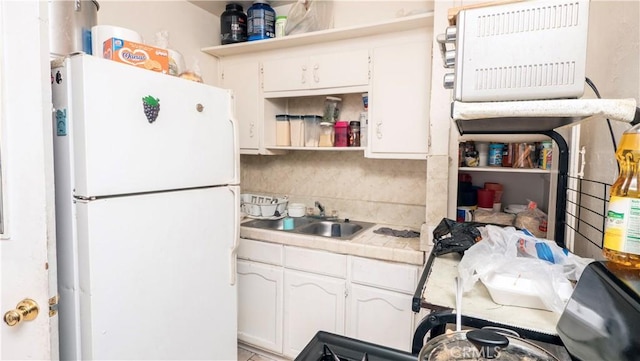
118 149
157 274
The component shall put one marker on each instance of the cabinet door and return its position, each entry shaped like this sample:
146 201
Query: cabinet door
380 316
290 73
312 303
399 101
243 77
330 70
343 69
260 305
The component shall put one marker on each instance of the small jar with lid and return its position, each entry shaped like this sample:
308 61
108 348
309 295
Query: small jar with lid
283 130
354 134
326 134
281 24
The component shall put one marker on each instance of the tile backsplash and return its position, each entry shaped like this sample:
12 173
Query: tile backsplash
374 190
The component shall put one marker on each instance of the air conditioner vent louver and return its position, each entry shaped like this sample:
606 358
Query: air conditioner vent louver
527 20
526 76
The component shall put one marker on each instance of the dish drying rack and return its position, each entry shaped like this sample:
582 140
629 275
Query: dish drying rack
263 206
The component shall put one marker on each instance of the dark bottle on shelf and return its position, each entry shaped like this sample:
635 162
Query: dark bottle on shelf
233 25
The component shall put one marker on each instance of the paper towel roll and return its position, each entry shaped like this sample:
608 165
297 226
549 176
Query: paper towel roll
101 33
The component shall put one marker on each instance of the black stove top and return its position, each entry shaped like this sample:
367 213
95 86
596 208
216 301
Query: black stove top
331 347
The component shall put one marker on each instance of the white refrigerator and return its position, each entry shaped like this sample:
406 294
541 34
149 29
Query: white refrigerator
147 214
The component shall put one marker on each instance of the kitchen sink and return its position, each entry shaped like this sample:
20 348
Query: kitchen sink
278 224
335 229
330 228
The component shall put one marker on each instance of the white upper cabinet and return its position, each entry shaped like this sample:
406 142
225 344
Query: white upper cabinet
243 78
327 70
390 60
399 98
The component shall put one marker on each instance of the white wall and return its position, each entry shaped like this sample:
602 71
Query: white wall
613 64
190 28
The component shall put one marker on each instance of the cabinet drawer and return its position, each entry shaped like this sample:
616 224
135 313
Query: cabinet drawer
260 251
334 70
319 262
392 276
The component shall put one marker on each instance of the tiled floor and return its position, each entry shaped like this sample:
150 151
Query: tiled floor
246 355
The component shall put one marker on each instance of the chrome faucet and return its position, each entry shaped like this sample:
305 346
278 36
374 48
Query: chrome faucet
321 208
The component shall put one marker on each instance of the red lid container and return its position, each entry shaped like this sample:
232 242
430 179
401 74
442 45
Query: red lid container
341 134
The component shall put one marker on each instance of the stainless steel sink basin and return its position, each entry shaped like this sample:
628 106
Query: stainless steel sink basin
334 229
330 228
278 224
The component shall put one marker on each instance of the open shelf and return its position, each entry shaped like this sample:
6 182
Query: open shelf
400 24
325 149
503 170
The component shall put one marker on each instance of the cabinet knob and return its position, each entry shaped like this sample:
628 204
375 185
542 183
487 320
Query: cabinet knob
449 80
449 58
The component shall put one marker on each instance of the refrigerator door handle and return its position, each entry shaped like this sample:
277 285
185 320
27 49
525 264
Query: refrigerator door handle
236 142
233 254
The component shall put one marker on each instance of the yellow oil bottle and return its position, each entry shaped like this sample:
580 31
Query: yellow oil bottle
622 226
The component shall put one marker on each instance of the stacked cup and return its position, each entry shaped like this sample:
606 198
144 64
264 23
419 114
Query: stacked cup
497 198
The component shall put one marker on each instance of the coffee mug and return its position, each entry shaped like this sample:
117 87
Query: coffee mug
464 214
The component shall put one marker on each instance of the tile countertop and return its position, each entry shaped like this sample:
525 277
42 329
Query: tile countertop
367 244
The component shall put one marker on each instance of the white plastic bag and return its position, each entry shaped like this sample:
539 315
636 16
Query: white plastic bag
309 15
507 253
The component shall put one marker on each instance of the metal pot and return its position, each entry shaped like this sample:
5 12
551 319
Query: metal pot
70 24
481 345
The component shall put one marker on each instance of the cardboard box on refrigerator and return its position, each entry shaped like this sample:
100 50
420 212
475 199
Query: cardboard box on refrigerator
136 54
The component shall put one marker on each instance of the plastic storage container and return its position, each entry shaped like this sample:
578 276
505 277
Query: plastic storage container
341 134
261 21
327 134
297 130
311 130
233 25
283 130
281 24
332 107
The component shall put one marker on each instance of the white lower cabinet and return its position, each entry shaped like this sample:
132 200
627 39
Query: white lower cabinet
287 294
380 316
379 302
260 305
311 303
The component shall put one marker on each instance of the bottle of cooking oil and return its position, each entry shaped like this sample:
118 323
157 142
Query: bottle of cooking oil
622 227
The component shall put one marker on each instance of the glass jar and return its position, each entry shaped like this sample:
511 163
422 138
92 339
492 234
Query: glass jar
354 134
331 109
326 134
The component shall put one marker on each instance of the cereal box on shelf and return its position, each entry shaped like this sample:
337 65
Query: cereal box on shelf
136 54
